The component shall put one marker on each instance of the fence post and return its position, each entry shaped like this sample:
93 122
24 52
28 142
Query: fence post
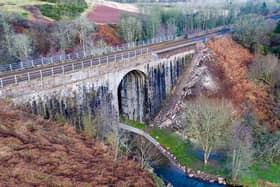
28 75
91 63
73 67
42 60
62 67
1 83
107 59
51 59
52 72
16 79
83 65
32 62
41 75
21 64
99 61
11 68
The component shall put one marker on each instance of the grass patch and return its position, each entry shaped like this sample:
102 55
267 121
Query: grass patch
268 172
135 124
176 145
62 9
262 171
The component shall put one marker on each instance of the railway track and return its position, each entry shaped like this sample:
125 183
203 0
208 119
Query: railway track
40 72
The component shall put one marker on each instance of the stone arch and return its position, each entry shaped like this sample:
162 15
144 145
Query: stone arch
132 96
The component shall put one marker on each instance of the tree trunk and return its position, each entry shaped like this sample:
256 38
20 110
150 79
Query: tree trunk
205 158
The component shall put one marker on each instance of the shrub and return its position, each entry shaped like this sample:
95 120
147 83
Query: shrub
63 8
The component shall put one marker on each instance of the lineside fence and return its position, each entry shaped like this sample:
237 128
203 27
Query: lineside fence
102 51
81 54
40 73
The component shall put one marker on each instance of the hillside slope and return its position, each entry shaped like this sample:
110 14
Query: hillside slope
36 152
232 69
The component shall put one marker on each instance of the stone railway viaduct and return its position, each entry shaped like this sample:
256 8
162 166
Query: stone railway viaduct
135 87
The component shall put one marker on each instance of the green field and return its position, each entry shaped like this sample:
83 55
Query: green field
51 9
15 6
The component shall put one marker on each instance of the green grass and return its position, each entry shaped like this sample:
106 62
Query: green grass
268 172
175 145
262 171
62 9
135 124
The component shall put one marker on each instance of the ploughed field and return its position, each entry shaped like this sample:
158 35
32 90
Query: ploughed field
105 14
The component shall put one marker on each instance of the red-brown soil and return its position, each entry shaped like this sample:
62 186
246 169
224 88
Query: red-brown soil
36 152
104 14
232 69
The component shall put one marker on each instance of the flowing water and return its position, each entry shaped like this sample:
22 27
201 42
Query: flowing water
171 174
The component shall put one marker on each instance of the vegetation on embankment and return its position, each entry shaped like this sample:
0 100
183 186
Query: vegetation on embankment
16 6
39 152
63 8
232 69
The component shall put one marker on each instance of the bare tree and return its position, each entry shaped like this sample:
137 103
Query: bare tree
21 46
241 148
252 31
64 35
131 28
84 29
265 69
18 45
206 122
145 151
107 125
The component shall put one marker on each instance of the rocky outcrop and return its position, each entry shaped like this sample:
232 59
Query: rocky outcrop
196 78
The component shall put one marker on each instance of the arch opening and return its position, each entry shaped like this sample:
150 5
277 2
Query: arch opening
132 96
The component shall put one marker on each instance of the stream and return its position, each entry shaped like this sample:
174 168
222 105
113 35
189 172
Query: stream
171 174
